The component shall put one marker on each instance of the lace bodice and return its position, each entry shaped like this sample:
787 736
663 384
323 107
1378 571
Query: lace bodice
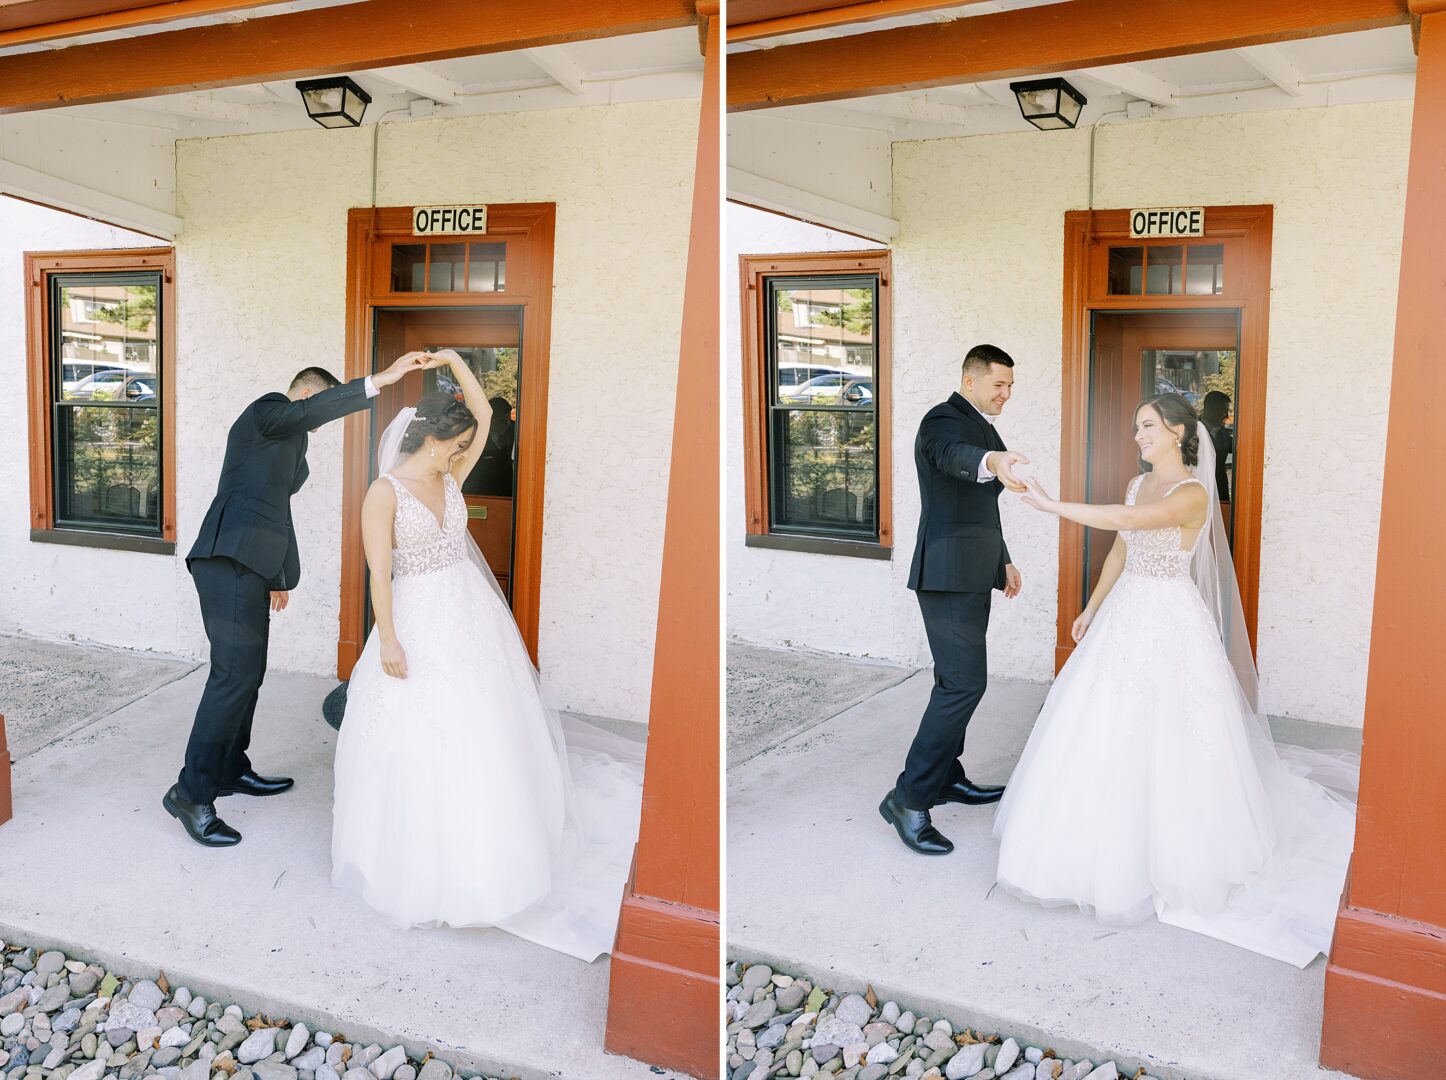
1156 552
419 544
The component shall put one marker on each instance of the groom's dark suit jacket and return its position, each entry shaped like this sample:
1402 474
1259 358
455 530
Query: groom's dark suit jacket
265 464
960 546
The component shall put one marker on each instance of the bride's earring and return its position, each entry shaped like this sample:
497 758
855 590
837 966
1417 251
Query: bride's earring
433 451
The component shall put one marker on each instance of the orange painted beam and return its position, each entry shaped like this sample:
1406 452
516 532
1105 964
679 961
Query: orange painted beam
44 20
325 41
1032 41
1385 1002
741 29
667 960
840 15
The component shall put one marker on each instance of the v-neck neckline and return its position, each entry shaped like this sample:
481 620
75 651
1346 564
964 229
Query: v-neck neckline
440 522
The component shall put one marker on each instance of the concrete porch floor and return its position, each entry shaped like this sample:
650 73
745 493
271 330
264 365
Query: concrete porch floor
92 865
818 885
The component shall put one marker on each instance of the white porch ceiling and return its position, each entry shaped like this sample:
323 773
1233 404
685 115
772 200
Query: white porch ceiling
116 161
767 170
1373 65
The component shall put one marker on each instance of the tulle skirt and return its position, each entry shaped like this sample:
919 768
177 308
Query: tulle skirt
455 803
1148 787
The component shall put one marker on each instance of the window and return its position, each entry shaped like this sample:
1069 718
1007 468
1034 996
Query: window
449 267
1167 269
100 338
815 380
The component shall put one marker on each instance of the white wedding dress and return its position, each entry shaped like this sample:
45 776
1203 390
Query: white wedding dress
1150 787
457 799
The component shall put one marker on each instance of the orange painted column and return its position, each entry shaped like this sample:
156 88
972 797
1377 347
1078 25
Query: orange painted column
1385 993
7 809
664 996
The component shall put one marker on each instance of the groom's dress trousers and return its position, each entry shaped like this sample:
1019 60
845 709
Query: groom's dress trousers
245 549
959 559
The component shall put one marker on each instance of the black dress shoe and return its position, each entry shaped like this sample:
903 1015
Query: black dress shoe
969 793
914 827
199 820
248 783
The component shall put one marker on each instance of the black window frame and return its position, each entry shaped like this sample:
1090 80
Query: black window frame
778 410
55 284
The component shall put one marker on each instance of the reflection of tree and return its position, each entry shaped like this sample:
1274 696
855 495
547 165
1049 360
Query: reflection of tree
1224 379
856 314
503 381
113 461
829 467
137 311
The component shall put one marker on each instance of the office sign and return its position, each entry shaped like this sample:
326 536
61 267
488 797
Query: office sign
448 220
1167 221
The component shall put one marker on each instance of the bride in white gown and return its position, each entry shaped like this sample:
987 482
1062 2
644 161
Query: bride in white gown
457 799
1150 785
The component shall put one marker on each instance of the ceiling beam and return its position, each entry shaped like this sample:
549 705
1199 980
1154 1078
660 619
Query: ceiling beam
420 80
34 21
1045 40
559 67
198 107
1272 63
322 41
764 194
842 15
1134 82
39 187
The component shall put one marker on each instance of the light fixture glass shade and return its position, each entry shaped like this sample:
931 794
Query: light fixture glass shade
1049 104
334 102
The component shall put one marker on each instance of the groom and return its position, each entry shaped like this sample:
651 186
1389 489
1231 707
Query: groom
244 562
959 558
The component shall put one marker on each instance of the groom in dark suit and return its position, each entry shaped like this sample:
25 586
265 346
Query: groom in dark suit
245 563
959 558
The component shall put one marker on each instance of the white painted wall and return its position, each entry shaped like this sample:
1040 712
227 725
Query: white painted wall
261 292
979 257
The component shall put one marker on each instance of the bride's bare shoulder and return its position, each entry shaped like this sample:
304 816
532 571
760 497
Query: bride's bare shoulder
380 496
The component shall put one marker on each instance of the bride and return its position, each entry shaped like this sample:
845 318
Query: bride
457 799
1150 784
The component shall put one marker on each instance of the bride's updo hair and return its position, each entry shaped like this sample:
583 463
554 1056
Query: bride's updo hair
439 415
1177 412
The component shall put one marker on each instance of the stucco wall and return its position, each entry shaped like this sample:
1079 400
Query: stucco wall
261 292
980 258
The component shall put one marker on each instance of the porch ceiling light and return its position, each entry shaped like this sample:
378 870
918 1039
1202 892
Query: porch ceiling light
334 102
1049 104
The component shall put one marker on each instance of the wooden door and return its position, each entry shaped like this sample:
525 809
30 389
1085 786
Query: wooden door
476 293
1124 370
490 339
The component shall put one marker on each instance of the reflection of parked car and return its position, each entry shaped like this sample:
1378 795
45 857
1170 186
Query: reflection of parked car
833 389
1165 386
792 376
74 372
112 386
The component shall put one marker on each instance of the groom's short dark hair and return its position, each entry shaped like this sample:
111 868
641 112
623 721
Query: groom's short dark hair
980 357
317 378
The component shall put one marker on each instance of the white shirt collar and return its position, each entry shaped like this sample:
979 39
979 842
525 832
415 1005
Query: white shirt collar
980 412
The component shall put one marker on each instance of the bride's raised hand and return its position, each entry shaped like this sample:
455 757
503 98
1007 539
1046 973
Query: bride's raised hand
443 358
1037 497
394 658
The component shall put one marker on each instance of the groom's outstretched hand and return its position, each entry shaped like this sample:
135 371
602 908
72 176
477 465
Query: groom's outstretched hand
400 368
1001 463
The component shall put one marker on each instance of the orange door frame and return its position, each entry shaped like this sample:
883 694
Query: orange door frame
528 230
1245 232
